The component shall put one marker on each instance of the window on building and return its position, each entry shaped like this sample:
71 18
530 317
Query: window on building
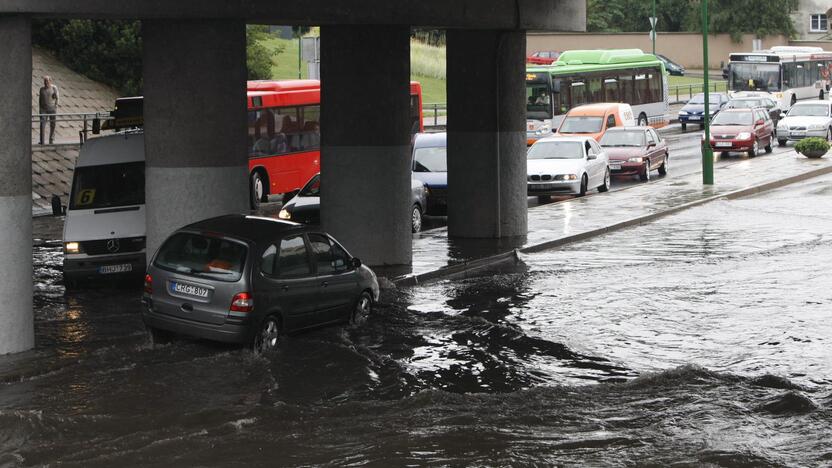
818 23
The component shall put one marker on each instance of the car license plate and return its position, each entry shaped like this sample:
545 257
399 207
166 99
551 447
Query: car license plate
723 144
798 134
615 167
188 289
694 117
110 269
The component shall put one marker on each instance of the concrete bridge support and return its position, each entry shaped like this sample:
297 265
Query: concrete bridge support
365 154
195 122
16 318
486 134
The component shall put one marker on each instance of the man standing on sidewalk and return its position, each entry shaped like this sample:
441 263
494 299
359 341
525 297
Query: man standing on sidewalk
48 104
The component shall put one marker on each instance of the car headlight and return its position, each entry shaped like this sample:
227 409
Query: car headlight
284 214
638 159
683 113
566 177
817 127
743 136
782 126
72 247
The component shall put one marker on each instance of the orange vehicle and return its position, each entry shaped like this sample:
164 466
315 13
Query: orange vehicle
594 119
284 134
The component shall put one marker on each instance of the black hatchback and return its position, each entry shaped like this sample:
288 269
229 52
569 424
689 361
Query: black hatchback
248 280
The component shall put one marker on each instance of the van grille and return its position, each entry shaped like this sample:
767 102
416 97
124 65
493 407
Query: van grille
113 246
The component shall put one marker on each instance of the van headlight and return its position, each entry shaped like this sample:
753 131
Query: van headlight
284 214
72 247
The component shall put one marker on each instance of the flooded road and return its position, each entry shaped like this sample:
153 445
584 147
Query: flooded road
703 338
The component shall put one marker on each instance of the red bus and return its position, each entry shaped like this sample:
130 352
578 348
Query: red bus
284 134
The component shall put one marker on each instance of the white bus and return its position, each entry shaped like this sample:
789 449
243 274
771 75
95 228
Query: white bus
787 73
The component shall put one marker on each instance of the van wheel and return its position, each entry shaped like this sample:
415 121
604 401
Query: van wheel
268 337
363 309
257 190
158 336
642 120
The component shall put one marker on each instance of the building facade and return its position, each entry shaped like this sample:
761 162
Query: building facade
811 20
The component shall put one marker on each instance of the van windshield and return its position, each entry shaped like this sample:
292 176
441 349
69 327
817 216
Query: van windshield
575 124
204 256
107 186
431 159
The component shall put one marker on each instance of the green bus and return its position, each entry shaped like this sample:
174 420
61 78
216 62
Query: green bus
590 76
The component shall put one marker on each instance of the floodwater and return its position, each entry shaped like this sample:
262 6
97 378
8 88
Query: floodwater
700 339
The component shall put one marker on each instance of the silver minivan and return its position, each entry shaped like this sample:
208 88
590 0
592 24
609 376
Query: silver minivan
249 280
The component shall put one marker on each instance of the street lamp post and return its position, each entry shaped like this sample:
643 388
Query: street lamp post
707 151
653 21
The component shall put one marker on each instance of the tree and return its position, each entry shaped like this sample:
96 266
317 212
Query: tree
111 51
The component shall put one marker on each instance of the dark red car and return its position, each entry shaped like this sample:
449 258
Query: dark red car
743 130
543 57
635 151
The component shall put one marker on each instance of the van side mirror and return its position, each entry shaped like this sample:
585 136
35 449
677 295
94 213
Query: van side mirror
355 262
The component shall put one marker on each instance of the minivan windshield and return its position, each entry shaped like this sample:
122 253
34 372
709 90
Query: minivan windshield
732 118
809 110
107 186
581 124
203 256
625 138
430 159
556 150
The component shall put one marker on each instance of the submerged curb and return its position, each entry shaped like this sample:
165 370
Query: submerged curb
464 269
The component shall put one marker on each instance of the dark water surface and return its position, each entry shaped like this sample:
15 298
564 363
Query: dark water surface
701 339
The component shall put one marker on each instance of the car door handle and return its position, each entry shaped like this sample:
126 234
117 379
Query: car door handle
285 288
187 307
325 284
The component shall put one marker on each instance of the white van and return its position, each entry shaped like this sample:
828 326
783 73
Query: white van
104 230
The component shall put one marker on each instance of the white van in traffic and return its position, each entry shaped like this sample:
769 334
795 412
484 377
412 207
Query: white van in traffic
104 230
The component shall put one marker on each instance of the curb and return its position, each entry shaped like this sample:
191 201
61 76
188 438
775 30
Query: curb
463 268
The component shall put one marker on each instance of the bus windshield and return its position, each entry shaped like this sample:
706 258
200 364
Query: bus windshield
755 77
575 124
538 102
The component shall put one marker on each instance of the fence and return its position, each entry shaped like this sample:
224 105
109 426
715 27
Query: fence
683 93
88 120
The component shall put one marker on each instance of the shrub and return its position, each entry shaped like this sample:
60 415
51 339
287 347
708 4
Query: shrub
812 146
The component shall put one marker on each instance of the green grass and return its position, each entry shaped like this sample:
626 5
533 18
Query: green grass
285 64
433 89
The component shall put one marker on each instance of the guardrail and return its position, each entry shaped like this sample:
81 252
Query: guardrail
683 93
89 121
435 114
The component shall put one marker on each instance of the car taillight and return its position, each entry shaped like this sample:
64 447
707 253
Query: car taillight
148 284
242 302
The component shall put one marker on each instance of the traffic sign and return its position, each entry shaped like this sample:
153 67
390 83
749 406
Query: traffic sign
653 21
652 35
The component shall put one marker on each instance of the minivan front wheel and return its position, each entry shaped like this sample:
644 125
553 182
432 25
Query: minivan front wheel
268 337
362 310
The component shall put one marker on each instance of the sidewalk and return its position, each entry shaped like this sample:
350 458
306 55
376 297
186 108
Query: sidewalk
435 256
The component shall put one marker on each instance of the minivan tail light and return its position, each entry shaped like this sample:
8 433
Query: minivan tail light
148 284
242 302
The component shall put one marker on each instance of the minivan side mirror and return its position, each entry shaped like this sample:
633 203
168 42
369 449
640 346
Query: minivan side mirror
355 262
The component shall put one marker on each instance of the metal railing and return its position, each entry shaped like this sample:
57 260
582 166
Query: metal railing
683 93
435 114
89 121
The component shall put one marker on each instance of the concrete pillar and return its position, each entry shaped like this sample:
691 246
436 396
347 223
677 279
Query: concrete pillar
195 123
16 318
486 134
365 133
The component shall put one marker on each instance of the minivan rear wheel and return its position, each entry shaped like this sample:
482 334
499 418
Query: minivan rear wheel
158 336
268 337
363 308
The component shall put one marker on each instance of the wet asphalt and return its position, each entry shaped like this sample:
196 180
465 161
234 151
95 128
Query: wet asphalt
699 339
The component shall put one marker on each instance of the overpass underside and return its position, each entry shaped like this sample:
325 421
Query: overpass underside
195 118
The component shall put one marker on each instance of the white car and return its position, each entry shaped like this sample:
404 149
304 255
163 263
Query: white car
566 165
806 119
